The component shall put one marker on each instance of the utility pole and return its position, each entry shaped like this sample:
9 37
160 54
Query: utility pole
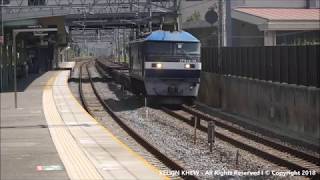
220 38
227 23
177 23
14 59
86 47
124 45
150 15
118 44
1 48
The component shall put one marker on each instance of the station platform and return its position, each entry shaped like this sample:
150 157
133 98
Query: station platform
27 151
50 136
66 65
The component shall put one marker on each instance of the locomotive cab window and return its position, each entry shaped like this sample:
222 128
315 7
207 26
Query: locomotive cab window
187 48
161 48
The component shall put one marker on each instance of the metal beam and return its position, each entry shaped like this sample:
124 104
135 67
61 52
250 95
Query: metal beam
35 30
103 7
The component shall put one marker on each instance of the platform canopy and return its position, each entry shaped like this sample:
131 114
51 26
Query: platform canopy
279 19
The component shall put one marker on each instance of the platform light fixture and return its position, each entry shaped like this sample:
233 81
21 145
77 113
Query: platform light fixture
39 33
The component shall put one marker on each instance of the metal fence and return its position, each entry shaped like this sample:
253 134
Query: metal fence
289 64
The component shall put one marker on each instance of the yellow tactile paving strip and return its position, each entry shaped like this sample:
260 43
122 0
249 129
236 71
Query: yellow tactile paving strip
106 155
77 165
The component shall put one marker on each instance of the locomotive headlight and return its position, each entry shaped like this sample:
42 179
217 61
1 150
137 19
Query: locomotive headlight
189 66
158 65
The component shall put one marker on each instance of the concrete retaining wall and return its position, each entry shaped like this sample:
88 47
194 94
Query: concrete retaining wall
288 109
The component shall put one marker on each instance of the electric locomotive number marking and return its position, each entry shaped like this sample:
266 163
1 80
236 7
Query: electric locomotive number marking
188 60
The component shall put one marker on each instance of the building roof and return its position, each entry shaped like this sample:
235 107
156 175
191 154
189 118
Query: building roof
283 13
279 19
171 36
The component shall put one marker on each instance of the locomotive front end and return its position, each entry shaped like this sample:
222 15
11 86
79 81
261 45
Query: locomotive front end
172 70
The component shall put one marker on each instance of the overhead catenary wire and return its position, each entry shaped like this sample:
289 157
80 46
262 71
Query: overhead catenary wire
198 4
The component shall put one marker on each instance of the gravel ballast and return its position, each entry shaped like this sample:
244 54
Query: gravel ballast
175 139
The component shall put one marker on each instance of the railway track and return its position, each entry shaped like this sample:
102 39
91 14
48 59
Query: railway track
270 150
95 103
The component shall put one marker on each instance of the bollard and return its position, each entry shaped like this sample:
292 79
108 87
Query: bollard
146 107
198 122
211 134
237 157
196 119
193 119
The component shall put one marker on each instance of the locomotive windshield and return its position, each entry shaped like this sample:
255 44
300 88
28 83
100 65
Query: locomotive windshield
173 48
159 48
187 48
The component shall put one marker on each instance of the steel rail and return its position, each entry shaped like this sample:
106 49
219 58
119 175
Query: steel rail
83 102
249 135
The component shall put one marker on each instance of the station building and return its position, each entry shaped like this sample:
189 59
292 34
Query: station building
36 51
255 22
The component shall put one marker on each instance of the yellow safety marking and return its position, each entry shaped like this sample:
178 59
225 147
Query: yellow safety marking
139 157
76 163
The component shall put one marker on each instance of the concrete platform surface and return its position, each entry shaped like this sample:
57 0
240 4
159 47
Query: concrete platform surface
51 137
66 65
27 150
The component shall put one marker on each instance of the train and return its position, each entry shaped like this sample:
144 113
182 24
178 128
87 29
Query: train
165 67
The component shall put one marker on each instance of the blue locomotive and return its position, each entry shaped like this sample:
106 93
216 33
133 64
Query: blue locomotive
165 66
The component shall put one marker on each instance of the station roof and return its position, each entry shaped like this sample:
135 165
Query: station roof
283 13
171 36
279 18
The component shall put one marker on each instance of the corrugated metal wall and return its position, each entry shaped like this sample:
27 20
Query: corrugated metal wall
286 64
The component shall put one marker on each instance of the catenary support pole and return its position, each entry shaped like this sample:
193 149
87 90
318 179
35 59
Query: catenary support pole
14 57
1 49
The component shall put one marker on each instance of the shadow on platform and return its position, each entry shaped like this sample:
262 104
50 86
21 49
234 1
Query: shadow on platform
44 126
23 83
